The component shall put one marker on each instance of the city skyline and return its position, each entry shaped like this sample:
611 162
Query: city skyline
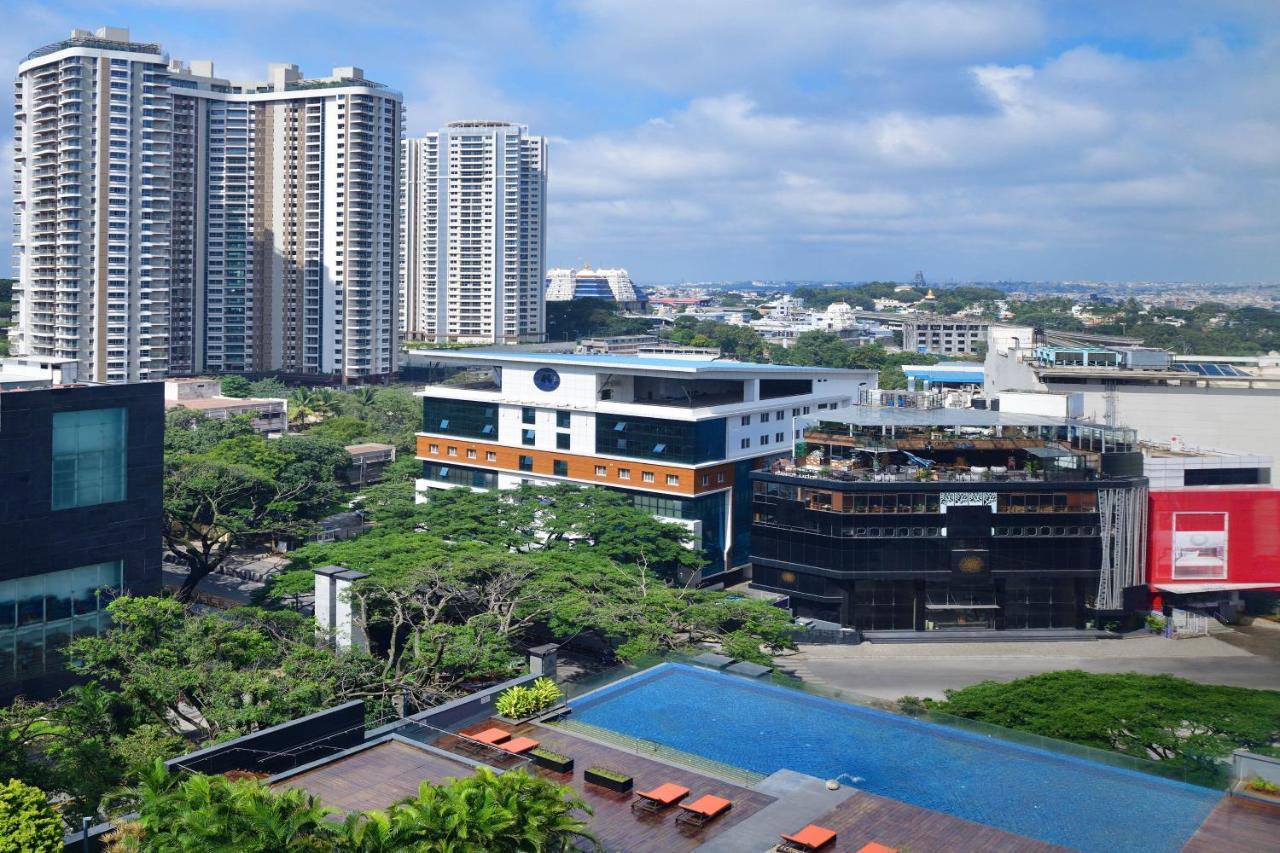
980 140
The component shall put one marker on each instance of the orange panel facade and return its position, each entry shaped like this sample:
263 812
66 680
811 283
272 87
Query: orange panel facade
639 474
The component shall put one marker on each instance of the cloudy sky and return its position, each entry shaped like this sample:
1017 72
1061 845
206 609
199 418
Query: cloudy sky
850 139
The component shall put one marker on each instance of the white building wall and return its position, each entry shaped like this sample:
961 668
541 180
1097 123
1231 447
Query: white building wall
474 252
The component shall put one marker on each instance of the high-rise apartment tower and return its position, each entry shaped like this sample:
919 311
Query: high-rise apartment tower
472 252
170 221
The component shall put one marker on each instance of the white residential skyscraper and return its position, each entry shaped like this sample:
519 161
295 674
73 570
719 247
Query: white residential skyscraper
251 225
472 254
92 203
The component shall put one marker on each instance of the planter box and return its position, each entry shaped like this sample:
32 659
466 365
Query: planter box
550 763
558 708
606 782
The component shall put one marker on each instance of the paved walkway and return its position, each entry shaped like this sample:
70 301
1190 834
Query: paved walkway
890 671
801 800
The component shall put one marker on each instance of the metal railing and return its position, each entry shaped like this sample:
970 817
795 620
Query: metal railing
1209 773
660 752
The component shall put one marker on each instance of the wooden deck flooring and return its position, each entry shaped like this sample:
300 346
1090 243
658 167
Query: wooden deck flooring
864 818
376 777
614 824
1237 825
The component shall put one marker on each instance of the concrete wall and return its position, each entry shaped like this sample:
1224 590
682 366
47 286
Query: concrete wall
470 706
1247 765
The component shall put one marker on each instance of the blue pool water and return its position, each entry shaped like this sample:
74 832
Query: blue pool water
762 727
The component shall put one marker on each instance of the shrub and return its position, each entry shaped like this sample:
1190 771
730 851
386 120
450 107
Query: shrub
519 701
1257 783
610 773
1154 622
28 824
550 755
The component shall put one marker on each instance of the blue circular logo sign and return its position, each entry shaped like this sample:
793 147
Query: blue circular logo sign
546 379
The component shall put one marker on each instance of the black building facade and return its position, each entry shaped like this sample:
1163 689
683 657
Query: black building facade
944 542
81 471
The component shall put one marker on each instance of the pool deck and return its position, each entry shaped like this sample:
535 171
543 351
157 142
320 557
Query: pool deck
1237 825
378 775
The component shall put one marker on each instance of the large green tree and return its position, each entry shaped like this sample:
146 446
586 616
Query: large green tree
225 486
1187 725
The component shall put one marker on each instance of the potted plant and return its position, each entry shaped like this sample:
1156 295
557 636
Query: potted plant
551 760
520 703
605 777
1155 623
1258 785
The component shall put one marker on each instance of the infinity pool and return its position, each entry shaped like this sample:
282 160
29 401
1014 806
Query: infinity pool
1061 799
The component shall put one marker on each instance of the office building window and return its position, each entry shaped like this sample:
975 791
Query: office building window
460 417
706 479
720 477
528 415
528 437
526 463
490 456
764 417
451 451
562 420
471 453
746 420
652 438
40 614
601 471
433 448
647 476
746 442
764 439
673 479
562 441
560 467
89 457
779 437
624 473
780 414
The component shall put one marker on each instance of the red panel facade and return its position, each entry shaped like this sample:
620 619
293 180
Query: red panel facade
1227 534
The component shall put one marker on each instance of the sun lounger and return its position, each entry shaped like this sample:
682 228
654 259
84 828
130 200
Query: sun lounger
662 797
807 840
480 741
703 810
876 847
518 745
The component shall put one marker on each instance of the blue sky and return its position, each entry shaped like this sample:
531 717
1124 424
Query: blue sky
818 139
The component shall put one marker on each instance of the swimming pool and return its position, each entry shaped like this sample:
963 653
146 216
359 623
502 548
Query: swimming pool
764 728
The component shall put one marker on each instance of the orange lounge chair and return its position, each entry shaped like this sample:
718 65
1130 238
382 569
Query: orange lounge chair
812 837
490 736
480 741
517 745
662 797
876 847
703 810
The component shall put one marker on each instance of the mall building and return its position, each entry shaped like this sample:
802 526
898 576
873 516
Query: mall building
678 435
901 515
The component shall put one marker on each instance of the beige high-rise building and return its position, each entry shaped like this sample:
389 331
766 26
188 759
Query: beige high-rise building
473 243
251 225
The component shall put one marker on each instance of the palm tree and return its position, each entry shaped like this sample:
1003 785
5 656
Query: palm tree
196 812
488 813
311 405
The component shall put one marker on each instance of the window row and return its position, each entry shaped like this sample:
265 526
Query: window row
1045 530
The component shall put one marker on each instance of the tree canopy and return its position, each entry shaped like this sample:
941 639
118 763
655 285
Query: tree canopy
589 318
824 349
459 584
1188 725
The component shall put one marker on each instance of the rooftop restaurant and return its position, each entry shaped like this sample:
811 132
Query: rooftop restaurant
898 436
